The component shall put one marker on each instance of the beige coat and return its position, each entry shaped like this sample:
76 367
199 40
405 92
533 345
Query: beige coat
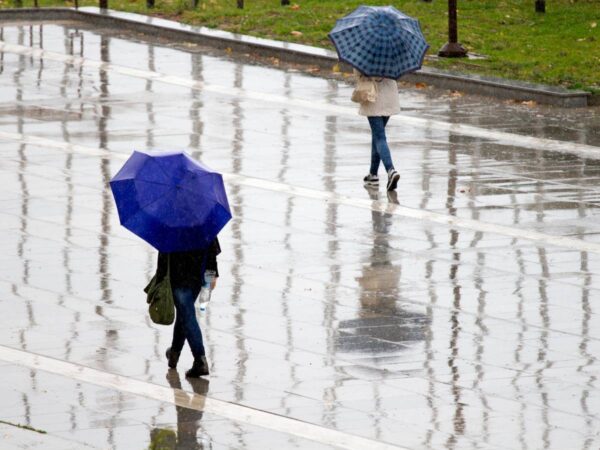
388 99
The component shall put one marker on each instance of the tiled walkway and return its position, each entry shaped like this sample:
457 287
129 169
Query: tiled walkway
461 313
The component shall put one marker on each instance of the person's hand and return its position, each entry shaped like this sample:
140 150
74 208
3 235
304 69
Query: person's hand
213 283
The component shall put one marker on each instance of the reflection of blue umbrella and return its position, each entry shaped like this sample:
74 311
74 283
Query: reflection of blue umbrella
380 41
170 200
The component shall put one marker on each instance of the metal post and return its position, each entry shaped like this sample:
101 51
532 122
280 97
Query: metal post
540 6
452 48
103 4
240 4
285 2
149 3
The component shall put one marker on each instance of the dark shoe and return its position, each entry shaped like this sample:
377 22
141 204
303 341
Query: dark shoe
173 358
393 178
371 180
199 369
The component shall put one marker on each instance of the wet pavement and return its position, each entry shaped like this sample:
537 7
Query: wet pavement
459 313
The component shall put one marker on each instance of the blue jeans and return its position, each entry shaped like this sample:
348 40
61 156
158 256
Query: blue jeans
380 152
186 325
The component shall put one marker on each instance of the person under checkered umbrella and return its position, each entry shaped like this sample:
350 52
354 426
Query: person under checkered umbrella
381 44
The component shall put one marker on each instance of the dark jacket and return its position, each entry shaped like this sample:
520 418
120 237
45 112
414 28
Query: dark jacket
187 268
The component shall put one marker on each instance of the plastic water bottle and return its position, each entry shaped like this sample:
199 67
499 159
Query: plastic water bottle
209 276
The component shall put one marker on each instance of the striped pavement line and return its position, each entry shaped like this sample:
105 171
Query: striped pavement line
331 197
497 137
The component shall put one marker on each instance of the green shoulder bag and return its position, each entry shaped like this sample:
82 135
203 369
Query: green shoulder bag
161 305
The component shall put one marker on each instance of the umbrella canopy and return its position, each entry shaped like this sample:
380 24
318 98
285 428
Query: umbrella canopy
380 41
170 200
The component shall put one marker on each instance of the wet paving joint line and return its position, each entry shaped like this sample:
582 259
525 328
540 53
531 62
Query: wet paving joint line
497 137
331 197
418 214
178 397
559 183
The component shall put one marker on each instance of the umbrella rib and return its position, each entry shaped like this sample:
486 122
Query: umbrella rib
155 200
201 194
167 176
158 183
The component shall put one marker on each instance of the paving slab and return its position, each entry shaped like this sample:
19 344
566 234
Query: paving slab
460 312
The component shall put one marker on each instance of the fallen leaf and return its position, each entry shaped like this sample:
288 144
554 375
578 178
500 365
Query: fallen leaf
336 68
228 50
296 33
456 94
295 7
420 85
529 103
580 39
594 25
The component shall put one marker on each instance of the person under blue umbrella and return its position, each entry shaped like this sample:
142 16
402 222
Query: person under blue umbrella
178 205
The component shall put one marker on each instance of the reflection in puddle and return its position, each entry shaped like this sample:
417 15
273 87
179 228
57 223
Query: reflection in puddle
188 435
382 321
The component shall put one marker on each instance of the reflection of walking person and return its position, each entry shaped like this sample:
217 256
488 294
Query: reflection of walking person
378 107
187 277
380 278
189 410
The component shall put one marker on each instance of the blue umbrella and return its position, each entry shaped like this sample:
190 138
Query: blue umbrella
380 41
170 200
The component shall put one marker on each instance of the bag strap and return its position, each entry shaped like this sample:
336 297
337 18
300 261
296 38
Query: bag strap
168 265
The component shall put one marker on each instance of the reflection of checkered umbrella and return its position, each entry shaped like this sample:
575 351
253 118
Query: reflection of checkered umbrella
380 41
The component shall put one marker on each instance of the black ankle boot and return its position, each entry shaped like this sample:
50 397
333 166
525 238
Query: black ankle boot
172 358
199 369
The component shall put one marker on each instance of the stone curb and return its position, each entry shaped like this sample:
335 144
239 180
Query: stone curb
303 54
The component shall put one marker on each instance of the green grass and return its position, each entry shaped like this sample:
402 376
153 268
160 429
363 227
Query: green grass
561 47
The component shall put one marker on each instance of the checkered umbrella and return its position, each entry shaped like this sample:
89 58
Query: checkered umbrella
380 41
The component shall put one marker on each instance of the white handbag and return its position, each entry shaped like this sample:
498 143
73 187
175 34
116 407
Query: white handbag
365 91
